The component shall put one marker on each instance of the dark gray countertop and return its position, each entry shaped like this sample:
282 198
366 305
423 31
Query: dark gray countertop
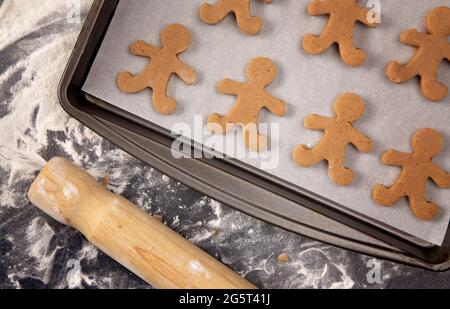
37 252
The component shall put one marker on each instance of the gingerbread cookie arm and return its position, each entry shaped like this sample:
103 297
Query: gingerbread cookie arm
278 107
319 7
142 49
186 73
227 86
131 84
362 15
316 122
361 142
440 177
214 13
395 158
413 38
448 54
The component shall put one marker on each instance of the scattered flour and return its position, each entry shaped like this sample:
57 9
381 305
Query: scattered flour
165 178
75 276
175 222
199 237
197 269
38 236
217 210
311 265
33 110
70 191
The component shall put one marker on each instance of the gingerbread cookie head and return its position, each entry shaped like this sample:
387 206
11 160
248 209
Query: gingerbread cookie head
349 107
427 143
261 71
438 22
176 38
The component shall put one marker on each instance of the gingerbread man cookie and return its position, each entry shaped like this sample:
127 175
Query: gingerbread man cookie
251 98
339 132
431 49
248 24
417 167
175 39
343 16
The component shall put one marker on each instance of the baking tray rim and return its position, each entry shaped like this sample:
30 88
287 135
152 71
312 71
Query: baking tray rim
68 81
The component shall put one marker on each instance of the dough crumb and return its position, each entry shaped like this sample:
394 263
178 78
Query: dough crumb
158 217
105 181
283 258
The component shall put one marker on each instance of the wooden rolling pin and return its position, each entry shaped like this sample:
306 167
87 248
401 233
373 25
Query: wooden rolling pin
136 240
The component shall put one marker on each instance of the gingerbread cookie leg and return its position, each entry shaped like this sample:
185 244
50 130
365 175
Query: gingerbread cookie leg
387 196
431 88
423 209
130 84
307 157
253 139
351 55
161 102
338 173
399 73
218 124
248 24
316 45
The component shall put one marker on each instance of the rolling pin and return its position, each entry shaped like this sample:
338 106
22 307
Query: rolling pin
133 238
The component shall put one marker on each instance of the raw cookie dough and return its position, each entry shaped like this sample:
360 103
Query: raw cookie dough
248 24
164 62
417 167
251 98
431 49
343 16
339 132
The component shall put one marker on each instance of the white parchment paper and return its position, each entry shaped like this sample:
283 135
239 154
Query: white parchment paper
309 84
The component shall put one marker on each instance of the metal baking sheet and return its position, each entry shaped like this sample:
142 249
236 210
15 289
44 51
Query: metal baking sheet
309 84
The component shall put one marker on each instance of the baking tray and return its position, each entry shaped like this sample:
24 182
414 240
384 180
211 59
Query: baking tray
237 185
